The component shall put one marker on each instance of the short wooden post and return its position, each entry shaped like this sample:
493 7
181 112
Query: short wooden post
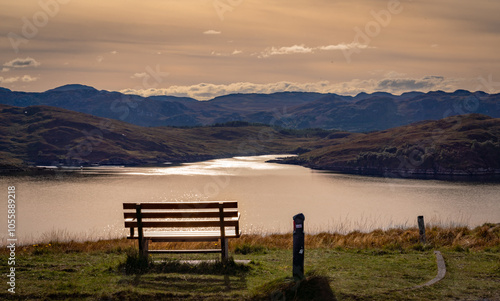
140 234
298 247
421 228
223 240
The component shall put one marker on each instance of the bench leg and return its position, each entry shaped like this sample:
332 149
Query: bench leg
145 245
224 249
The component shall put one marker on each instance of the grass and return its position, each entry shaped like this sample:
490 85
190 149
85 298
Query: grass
313 287
379 265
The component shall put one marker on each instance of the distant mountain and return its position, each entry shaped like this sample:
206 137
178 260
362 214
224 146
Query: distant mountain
42 135
361 113
72 87
467 145
129 108
379 111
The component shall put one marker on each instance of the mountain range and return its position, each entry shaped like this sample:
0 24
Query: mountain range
457 145
298 110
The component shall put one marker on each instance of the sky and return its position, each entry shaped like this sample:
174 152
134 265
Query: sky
207 48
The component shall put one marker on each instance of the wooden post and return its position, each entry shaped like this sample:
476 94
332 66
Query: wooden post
140 233
421 228
223 240
298 247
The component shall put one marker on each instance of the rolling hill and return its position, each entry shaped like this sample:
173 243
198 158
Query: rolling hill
42 135
466 145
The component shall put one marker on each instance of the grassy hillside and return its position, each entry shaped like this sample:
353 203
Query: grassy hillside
380 265
458 145
41 135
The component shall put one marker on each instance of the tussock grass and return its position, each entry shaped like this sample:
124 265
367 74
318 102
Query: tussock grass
137 264
312 287
248 248
485 237
215 267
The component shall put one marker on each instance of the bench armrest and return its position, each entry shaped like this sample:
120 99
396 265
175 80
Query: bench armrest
236 218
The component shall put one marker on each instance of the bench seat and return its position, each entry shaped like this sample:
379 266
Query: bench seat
173 236
201 221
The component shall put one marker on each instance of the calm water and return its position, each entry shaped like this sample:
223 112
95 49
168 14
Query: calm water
269 195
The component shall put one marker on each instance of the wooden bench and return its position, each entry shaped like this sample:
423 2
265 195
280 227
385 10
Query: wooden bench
182 222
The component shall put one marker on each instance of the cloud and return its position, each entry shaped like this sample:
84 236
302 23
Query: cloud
9 80
286 50
206 91
22 63
28 78
235 52
114 52
302 49
394 74
343 46
211 31
140 75
410 84
5 69
24 78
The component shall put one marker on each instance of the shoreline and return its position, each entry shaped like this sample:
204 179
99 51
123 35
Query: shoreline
394 173
30 170
492 176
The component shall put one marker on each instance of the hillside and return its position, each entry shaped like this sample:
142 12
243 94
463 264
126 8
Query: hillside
361 113
458 145
41 135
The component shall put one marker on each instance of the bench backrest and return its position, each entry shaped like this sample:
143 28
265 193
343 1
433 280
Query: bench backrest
181 215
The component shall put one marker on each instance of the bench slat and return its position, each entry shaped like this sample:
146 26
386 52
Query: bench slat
199 205
186 251
183 214
181 224
167 236
190 234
